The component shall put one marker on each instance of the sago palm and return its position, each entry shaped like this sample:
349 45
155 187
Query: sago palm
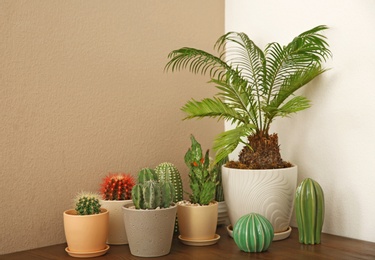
255 87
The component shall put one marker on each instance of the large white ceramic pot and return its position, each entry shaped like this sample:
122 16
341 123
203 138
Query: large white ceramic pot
149 231
117 232
266 192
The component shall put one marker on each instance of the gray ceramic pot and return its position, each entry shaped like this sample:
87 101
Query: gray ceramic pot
150 232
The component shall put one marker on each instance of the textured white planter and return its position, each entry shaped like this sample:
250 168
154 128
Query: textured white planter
266 192
117 233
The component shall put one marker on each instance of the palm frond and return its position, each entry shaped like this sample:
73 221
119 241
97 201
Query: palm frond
226 142
294 105
214 107
197 61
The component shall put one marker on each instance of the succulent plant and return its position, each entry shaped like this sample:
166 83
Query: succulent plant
150 193
87 203
117 186
202 180
168 172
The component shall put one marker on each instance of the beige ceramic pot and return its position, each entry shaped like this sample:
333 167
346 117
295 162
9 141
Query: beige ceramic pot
149 232
196 222
86 234
117 232
266 192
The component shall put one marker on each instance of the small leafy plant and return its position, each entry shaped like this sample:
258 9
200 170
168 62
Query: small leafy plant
202 181
150 193
117 186
87 203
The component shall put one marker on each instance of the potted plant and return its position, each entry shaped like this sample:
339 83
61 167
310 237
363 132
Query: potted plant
150 217
115 191
197 217
86 227
255 87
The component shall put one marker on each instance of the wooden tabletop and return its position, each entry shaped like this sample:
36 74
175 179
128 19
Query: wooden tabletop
332 247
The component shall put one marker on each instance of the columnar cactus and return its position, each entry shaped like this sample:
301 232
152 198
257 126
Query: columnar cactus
168 172
149 193
87 203
253 233
202 181
146 174
309 206
117 186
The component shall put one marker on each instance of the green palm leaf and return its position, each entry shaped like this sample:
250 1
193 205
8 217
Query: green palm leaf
214 107
226 142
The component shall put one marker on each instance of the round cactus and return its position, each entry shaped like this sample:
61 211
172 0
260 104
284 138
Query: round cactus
117 186
253 233
309 206
87 203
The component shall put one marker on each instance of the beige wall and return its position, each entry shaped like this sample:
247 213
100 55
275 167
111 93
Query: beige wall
83 93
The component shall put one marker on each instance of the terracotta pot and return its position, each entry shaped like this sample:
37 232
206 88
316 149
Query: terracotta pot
86 234
117 232
149 232
196 222
269 193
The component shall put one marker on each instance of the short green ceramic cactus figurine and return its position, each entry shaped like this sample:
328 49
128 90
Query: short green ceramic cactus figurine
87 203
309 206
149 193
253 233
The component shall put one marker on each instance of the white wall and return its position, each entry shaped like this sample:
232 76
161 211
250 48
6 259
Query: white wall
333 142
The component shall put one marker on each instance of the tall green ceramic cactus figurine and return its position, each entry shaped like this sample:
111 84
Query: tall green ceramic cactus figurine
309 206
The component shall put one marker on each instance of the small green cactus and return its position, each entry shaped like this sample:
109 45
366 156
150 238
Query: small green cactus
87 203
146 174
202 180
149 193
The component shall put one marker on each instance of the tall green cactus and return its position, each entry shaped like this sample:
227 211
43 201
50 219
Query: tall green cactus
309 207
168 172
149 193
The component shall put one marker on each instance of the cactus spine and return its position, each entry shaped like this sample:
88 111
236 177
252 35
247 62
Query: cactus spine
87 203
117 186
149 193
309 206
